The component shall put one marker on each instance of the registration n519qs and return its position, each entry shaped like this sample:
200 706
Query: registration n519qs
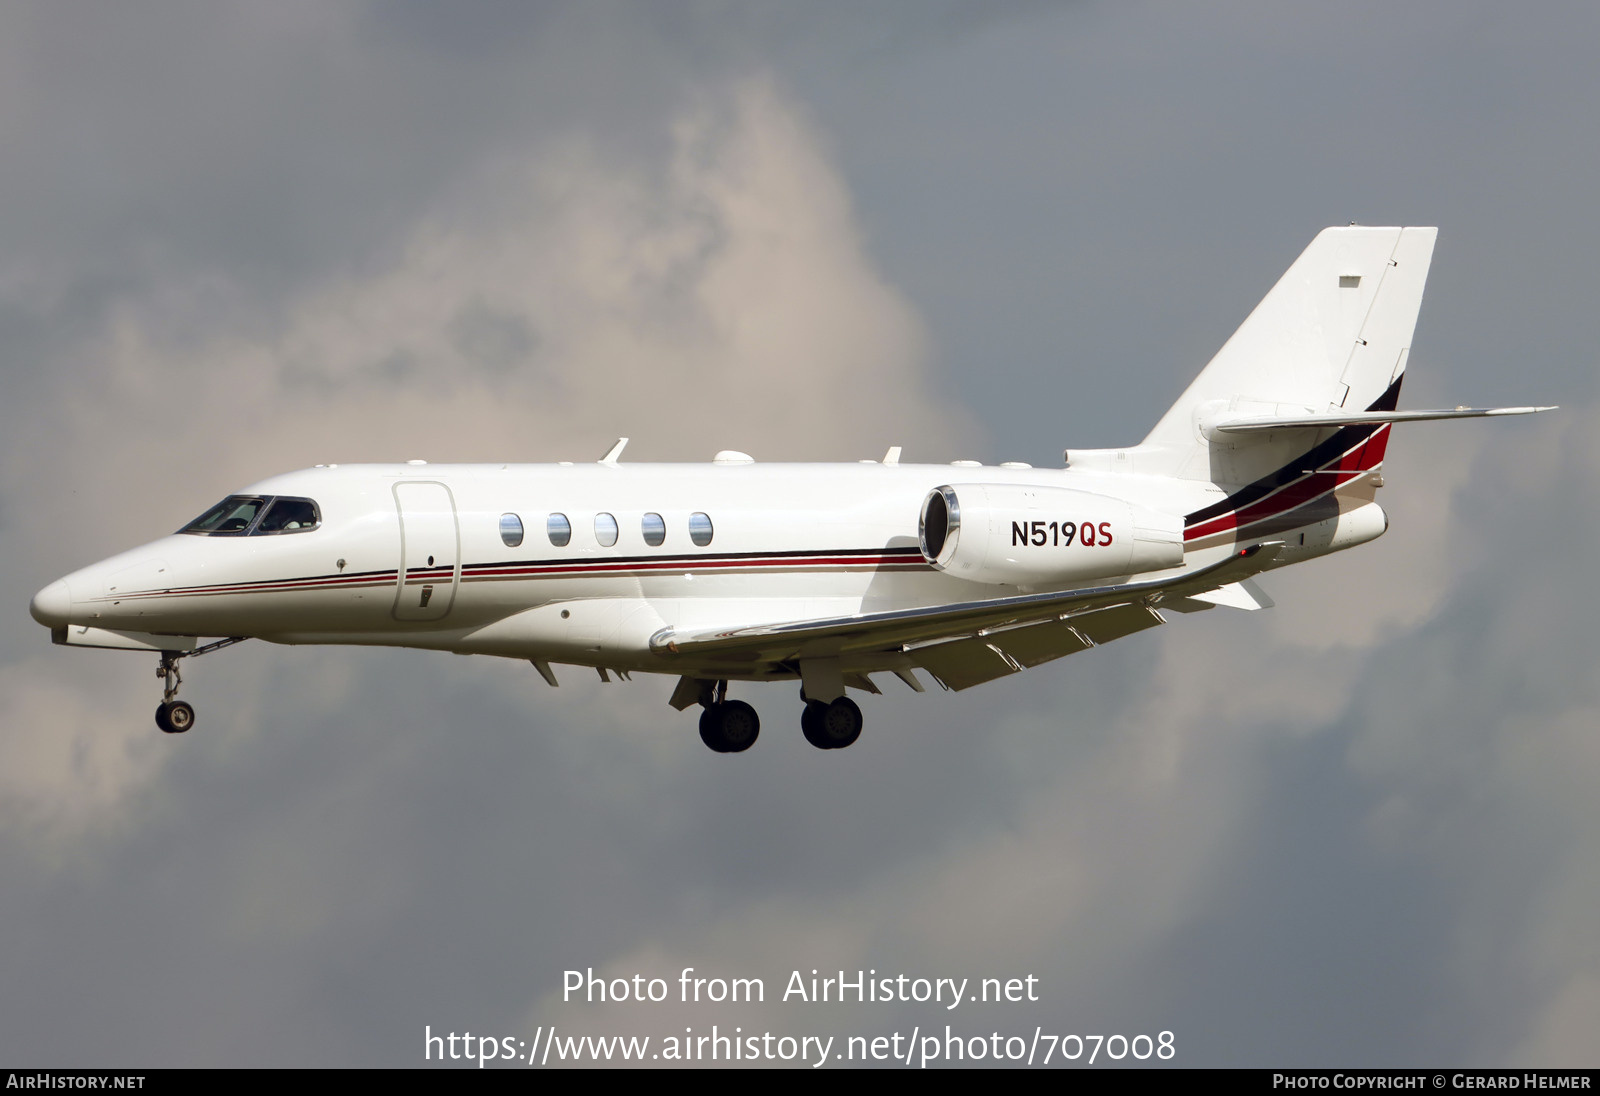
839 576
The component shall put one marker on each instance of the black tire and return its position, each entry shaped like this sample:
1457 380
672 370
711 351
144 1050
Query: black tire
175 717
839 724
811 724
710 733
739 726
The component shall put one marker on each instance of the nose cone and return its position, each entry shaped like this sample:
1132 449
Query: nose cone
52 605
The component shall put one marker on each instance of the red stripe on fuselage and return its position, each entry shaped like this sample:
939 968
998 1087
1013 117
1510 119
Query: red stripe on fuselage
1360 459
844 561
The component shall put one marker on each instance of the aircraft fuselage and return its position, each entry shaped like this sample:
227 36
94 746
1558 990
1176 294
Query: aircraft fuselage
422 555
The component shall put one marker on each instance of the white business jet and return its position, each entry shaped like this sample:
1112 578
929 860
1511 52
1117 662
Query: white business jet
834 575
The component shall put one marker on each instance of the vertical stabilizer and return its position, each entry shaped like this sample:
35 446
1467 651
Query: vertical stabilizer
1332 335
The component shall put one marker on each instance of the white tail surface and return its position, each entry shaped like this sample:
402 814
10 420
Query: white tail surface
1331 336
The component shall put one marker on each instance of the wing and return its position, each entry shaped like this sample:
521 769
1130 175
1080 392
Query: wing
967 643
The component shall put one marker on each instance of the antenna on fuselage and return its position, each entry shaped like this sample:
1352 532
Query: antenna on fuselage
616 452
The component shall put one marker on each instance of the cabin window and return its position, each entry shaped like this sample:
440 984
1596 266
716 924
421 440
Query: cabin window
559 529
700 529
605 530
510 530
286 515
655 530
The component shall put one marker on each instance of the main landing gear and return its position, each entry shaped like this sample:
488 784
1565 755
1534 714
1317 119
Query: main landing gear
728 726
831 726
732 726
175 716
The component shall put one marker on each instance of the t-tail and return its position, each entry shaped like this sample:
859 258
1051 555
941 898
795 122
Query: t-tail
1292 416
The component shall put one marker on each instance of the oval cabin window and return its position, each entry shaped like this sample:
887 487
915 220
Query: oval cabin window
655 530
559 529
510 530
700 529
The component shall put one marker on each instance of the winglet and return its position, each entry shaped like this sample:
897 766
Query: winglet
616 452
892 456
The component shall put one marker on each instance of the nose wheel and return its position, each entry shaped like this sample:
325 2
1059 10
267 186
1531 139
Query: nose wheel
175 716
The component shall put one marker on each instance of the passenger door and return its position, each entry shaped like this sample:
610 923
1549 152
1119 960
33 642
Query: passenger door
430 550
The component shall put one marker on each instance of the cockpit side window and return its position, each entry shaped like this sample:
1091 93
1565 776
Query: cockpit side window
253 515
231 517
289 515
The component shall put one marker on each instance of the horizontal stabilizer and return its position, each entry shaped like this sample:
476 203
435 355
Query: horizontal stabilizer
1360 418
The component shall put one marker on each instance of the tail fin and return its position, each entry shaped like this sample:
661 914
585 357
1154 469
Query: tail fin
1331 337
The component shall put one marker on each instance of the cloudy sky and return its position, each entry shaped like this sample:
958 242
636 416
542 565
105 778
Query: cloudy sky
238 239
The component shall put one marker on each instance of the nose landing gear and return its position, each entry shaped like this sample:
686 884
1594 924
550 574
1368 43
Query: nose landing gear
168 672
175 716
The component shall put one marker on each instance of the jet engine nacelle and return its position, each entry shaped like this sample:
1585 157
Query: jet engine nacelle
1043 536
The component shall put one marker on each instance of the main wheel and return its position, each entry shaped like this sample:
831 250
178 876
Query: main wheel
710 734
811 723
740 726
839 724
175 717
730 727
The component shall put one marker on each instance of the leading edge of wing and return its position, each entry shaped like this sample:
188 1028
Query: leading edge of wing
894 627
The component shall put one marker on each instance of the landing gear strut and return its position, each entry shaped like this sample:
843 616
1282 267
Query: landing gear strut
728 726
175 716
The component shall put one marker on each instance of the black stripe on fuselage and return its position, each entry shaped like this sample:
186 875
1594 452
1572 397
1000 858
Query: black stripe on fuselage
591 564
1343 440
697 557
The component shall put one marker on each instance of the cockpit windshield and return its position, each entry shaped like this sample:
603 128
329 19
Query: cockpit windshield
288 516
256 515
